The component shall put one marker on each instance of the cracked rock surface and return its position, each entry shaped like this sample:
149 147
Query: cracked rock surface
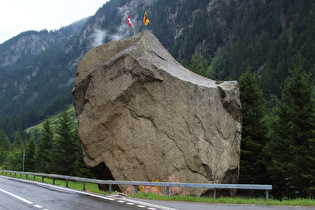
143 116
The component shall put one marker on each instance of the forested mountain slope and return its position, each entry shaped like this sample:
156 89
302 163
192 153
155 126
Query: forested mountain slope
36 71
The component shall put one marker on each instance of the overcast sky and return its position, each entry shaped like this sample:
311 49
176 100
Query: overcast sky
17 16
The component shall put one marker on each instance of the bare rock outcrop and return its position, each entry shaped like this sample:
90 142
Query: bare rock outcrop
143 116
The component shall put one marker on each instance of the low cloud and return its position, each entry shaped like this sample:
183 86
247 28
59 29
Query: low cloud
99 37
66 84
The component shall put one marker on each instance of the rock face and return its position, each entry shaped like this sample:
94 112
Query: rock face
143 116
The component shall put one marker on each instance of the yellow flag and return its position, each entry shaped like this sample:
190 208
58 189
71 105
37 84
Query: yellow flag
145 19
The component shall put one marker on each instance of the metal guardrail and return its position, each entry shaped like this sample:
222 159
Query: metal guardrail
136 184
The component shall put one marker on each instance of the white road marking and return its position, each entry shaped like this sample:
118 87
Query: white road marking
63 188
141 206
148 205
17 197
22 199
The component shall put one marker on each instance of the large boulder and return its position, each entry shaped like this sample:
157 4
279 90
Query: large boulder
143 116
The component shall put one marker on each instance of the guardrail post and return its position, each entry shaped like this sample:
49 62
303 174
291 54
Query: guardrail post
167 191
34 178
53 181
26 176
137 189
67 183
214 193
267 195
110 188
43 179
83 186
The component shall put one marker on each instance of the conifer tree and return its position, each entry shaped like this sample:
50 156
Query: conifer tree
311 158
30 155
14 158
44 147
4 146
254 130
291 129
80 169
18 142
199 65
63 152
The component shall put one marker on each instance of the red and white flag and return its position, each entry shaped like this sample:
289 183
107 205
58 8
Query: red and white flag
129 21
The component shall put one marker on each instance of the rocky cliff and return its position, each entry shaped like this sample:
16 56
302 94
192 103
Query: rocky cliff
31 43
143 116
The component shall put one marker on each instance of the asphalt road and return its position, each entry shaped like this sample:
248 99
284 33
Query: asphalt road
24 194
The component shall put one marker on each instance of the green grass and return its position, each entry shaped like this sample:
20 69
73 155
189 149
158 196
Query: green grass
93 188
227 200
54 119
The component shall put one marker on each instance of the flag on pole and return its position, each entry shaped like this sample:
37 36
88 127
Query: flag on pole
129 21
145 19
